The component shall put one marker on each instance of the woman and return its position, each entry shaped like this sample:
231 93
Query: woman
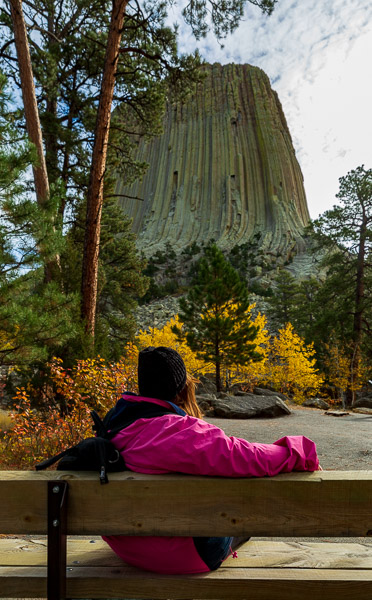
168 435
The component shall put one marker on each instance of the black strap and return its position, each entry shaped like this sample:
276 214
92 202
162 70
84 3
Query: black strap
50 461
99 426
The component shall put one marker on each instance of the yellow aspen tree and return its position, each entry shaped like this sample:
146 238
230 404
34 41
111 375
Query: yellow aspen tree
339 370
291 365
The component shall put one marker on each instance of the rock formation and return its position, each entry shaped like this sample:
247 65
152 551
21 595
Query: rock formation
224 168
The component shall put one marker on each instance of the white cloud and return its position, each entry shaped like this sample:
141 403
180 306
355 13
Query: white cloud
317 55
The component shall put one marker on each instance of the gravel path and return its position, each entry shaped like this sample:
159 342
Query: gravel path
343 443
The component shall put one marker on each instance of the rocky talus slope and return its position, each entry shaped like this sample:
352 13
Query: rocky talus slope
224 168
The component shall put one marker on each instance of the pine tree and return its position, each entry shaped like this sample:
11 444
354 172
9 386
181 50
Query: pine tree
89 280
345 232
35 317
283 302
216 322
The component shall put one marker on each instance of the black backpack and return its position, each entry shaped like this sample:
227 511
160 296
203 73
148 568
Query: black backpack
98 453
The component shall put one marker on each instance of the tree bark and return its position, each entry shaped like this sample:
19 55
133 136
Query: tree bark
32 119
359 308
97 172
29 100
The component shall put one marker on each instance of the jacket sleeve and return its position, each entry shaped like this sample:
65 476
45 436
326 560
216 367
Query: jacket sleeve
190 445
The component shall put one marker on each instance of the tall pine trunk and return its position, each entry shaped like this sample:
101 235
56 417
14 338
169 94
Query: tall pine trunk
97 172
29 99
32 118
358 310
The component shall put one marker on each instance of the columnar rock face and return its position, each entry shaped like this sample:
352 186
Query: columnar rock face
224 168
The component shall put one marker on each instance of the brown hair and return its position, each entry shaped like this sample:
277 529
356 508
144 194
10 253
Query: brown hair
186 398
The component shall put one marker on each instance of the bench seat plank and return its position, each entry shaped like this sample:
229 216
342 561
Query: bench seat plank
255 584
305 555
277 554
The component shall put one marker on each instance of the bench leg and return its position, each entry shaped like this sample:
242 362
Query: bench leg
57 529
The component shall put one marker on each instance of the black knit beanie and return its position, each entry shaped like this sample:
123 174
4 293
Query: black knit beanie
161 373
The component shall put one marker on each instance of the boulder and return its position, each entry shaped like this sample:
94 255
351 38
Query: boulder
205 404
316 403
265 392
363 411
364 402
249 406
236 390
206 386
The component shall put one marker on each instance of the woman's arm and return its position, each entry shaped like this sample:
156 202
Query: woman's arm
189 445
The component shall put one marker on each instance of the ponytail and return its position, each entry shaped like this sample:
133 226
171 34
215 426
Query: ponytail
186 399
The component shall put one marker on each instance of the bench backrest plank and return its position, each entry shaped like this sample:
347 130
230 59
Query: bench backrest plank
332 503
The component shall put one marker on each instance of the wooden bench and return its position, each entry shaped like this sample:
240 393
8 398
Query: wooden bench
321 504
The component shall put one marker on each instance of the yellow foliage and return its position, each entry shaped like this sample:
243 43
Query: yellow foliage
254 372
95 382
291 366
287 364
340 371
165 337
8 341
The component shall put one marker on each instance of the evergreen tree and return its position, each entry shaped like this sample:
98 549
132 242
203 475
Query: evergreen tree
297 303
345 232
35 317
283 302
214 315
306 312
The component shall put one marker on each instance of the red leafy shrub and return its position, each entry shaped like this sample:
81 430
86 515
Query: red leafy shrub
68 398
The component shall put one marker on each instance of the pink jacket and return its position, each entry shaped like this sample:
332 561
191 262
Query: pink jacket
184 444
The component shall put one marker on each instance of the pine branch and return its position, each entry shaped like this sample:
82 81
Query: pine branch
124 196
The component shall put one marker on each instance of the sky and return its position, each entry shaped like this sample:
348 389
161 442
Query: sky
318 56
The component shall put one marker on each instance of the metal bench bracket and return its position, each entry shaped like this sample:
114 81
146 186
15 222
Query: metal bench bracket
57 530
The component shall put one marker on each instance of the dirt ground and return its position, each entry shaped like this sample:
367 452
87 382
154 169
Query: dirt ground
343 443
